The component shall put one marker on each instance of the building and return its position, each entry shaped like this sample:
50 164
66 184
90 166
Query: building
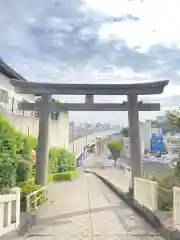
161 119
28 122
147 130
172 143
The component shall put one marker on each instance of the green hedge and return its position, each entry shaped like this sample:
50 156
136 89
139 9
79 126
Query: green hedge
60 160
16 163
64 175
15 155
27 188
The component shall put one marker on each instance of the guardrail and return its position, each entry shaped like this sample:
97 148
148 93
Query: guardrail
10 211
34 199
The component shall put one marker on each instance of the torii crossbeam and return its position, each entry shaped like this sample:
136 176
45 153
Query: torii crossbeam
56 107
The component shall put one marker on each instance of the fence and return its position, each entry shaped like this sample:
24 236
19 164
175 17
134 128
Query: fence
145 192
151 193
34 199
176 208
10 211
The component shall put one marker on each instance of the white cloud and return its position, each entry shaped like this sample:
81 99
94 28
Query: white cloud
94 43
158 21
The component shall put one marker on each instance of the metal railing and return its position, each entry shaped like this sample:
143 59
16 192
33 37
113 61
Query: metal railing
34 199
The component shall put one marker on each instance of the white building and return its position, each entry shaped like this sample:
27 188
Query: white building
126 147
146 130
161 119
172 143
26 121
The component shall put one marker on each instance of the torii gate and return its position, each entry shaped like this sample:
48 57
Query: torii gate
45 106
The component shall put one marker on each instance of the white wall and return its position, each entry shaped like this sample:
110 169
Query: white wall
172 143
5 83
59 129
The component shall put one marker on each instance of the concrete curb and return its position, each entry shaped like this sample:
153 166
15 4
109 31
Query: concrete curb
149 216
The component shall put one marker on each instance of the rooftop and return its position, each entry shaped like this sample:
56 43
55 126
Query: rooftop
9 72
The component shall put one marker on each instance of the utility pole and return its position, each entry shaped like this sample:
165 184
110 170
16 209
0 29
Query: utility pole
73 137
86 147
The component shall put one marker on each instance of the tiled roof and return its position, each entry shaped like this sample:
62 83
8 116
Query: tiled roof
9 72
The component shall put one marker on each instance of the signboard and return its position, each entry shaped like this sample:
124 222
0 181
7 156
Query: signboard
156 131
157 143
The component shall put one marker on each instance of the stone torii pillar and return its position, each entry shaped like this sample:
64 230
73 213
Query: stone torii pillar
42 154
135 152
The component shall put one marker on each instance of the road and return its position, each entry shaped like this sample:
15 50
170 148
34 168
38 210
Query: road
79 143
87 209
152 166
149 166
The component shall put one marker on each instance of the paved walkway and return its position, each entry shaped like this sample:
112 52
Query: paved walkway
86 209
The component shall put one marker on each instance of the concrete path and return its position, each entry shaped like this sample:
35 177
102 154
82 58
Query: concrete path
86 209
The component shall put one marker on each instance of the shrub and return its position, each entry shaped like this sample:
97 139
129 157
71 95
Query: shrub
15 151
164 179
27 188
7 176
165 199
65 175
71 168
16 163
59 160
50 178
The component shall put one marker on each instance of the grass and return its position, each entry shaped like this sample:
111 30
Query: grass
65 175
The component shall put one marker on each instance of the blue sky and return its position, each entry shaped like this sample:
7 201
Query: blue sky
94 41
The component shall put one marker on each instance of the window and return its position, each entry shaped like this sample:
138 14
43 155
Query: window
3 96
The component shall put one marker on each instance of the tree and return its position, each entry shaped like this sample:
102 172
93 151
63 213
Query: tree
173 118
115 147
125 132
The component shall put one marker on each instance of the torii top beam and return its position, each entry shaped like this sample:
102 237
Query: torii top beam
37 88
